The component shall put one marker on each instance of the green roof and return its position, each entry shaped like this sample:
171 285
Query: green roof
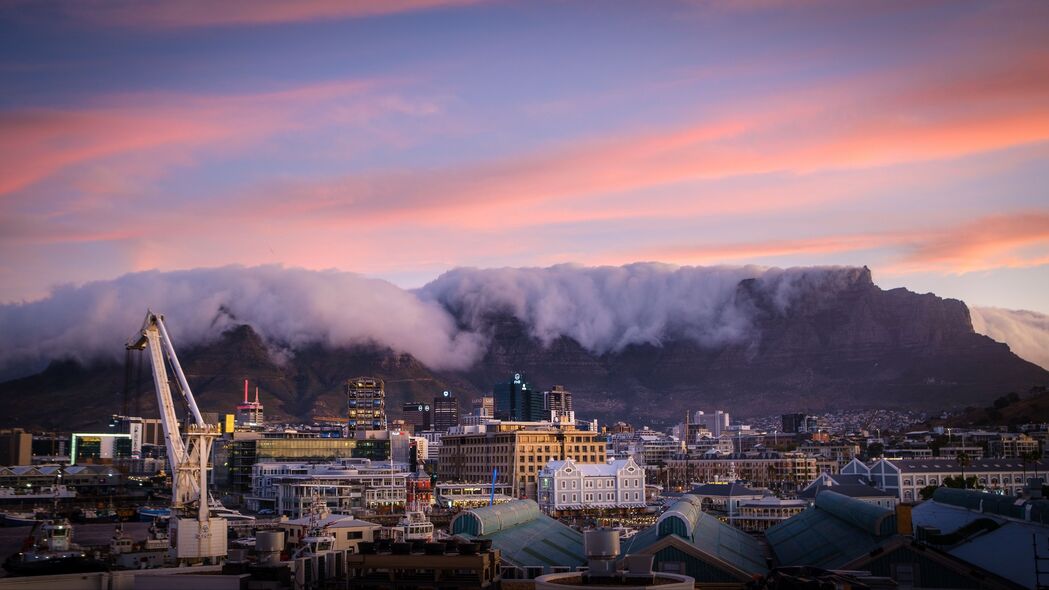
706 533
524 535
830 534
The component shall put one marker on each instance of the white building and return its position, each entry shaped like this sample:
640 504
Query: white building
905 478
566 485
347 531
346 486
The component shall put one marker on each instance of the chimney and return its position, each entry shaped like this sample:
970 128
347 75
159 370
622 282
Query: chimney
245 391
601 547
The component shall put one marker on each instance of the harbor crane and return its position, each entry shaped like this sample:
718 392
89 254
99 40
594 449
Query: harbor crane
195 535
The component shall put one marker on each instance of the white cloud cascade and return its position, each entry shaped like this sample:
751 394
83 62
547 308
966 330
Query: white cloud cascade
606 309
603 308
1026 332
288 307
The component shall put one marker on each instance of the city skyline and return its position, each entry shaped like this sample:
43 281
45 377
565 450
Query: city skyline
405 139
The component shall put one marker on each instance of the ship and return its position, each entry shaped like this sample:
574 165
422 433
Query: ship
49 551
413 526
151 513
93 515
14 519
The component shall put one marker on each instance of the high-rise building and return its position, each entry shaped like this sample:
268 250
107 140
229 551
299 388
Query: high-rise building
793 422
249 413
16 447
558 401
445 411
366 403
418 415
717 423
484 406
517 401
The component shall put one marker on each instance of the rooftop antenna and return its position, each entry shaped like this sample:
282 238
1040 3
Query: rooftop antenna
256 394
245 391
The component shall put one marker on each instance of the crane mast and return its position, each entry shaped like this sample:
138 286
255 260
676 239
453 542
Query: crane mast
198 536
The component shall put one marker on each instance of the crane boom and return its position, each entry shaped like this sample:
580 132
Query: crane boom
199 536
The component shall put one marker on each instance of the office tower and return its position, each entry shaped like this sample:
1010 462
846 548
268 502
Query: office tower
515 400
483 406
366 403
16 447
418 415
717 423
445 411
558 401
793 422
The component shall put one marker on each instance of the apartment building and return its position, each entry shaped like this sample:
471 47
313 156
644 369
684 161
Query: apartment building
781 470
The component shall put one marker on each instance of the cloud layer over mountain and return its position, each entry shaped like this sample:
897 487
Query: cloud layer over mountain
442 324
1026 332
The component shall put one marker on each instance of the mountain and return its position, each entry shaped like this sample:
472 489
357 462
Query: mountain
842 344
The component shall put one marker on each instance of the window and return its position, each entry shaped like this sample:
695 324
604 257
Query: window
672 567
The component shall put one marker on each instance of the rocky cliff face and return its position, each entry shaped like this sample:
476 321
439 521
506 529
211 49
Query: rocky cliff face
843 343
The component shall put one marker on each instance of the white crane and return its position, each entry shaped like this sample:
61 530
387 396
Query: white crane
197 536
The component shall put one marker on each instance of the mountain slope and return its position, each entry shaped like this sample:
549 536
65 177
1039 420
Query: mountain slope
851 345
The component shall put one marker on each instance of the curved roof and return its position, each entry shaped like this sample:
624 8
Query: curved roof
868 517
688 510
492 519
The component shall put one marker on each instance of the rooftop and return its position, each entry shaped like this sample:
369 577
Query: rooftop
524 535
833 532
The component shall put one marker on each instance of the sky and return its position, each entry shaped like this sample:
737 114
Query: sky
403 138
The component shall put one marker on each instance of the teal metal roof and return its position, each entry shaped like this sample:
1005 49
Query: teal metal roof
835 531
686 520
875 519
524 535
491 519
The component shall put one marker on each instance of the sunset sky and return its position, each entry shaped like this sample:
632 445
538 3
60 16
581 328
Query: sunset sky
399 139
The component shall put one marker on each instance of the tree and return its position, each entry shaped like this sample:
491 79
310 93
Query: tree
972 482
875 450
927 492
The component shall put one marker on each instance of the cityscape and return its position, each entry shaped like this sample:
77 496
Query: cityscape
508 295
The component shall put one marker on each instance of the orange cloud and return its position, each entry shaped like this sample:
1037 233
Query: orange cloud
992 102
1020 239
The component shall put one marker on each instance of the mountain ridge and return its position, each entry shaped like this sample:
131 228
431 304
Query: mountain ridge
835 342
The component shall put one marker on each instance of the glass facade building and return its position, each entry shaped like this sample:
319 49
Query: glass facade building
516 400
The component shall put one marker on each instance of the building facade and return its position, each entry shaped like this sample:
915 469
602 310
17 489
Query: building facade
445 411
906 478
565 486
558 402
515 452
418 415
16 447
366 403
345 486
517 401
786 471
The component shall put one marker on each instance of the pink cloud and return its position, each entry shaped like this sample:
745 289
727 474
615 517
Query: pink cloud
1014 240
35 144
